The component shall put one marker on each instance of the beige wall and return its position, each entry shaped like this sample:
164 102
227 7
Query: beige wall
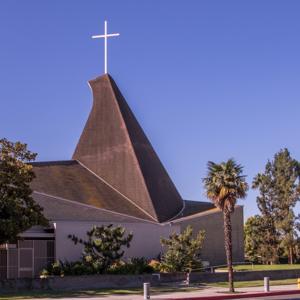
145 242
213 247
146 237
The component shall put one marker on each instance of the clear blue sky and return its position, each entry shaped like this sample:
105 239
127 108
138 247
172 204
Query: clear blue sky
208 80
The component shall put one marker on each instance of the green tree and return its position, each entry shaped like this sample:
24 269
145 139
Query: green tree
252 238
182 251
224 184
287 194
279 189
265 202
18 210
259 246
104 246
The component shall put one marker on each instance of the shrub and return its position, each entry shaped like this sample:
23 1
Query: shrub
155 265
44 273
60 268
56 269
134 266
140 265
137 265
78 268
182 251
103 247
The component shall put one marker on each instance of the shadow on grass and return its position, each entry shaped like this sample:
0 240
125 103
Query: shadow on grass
92 293
65 294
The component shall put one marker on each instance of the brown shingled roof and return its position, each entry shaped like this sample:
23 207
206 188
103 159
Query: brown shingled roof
58 210
114 146
71 181
194 207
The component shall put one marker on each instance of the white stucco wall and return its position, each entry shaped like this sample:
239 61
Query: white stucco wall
145 242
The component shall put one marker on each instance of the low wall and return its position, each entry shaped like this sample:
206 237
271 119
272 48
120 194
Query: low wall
88 282
130 281
245 275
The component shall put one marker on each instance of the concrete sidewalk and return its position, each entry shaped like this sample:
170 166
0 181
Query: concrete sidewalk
205 292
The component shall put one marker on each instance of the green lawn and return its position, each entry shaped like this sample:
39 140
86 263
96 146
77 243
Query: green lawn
242 284
262 267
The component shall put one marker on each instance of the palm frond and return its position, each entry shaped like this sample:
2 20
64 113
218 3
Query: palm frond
225 183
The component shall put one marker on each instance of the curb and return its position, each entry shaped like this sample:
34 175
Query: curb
240 296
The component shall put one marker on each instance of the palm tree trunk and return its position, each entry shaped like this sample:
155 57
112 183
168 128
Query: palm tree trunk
228 247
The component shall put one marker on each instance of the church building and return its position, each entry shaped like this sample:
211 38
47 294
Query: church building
114 177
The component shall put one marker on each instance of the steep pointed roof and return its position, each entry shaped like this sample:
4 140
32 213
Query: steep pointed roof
114 147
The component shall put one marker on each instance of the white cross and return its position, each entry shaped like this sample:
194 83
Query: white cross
105 36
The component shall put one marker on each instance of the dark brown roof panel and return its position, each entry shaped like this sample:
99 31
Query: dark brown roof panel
114 146
58 210
69 180
193 207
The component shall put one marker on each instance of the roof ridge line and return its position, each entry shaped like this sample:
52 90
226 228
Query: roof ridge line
198 201
108 184
181 211
130 141
91 206
199 214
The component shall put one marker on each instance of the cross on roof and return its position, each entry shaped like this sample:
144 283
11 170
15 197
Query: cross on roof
105 36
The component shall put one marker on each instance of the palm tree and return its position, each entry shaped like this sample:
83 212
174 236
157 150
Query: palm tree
224 184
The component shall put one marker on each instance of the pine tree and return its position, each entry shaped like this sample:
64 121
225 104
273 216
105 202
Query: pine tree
104 246
287 194
279 190
182 251
259 246
265 202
